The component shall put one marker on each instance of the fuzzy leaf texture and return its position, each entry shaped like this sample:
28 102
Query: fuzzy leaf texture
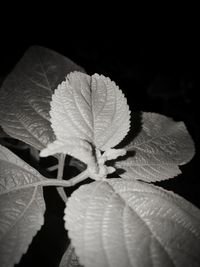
126 223
87 110
159 148
22 207
26 94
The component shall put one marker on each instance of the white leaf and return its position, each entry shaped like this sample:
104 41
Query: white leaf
91 108
158 149
26 94
22 207
127 223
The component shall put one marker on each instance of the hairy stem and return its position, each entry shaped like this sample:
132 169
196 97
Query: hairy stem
61 165
66 183
54 182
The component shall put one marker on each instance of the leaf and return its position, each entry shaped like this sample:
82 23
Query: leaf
157 150
90 108
69 258
22 207
26 94
130 223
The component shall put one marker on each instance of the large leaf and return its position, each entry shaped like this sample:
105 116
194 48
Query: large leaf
21 207
122 223
26 93
89 108
158 149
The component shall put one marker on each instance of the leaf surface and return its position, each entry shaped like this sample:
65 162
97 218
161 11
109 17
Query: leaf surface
157 151
89 108
22 207
131 223
26 94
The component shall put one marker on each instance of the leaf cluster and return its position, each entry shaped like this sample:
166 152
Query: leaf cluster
121 218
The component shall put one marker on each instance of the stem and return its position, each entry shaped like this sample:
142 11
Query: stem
66 183
61 164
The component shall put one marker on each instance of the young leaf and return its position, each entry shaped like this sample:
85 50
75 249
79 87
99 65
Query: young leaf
26 94
157 150
22 207
89 108
130 223
69 258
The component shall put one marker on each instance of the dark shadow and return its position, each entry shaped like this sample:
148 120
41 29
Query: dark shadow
135 129
130 153
119 171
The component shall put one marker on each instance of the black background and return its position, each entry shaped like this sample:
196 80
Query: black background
155 64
